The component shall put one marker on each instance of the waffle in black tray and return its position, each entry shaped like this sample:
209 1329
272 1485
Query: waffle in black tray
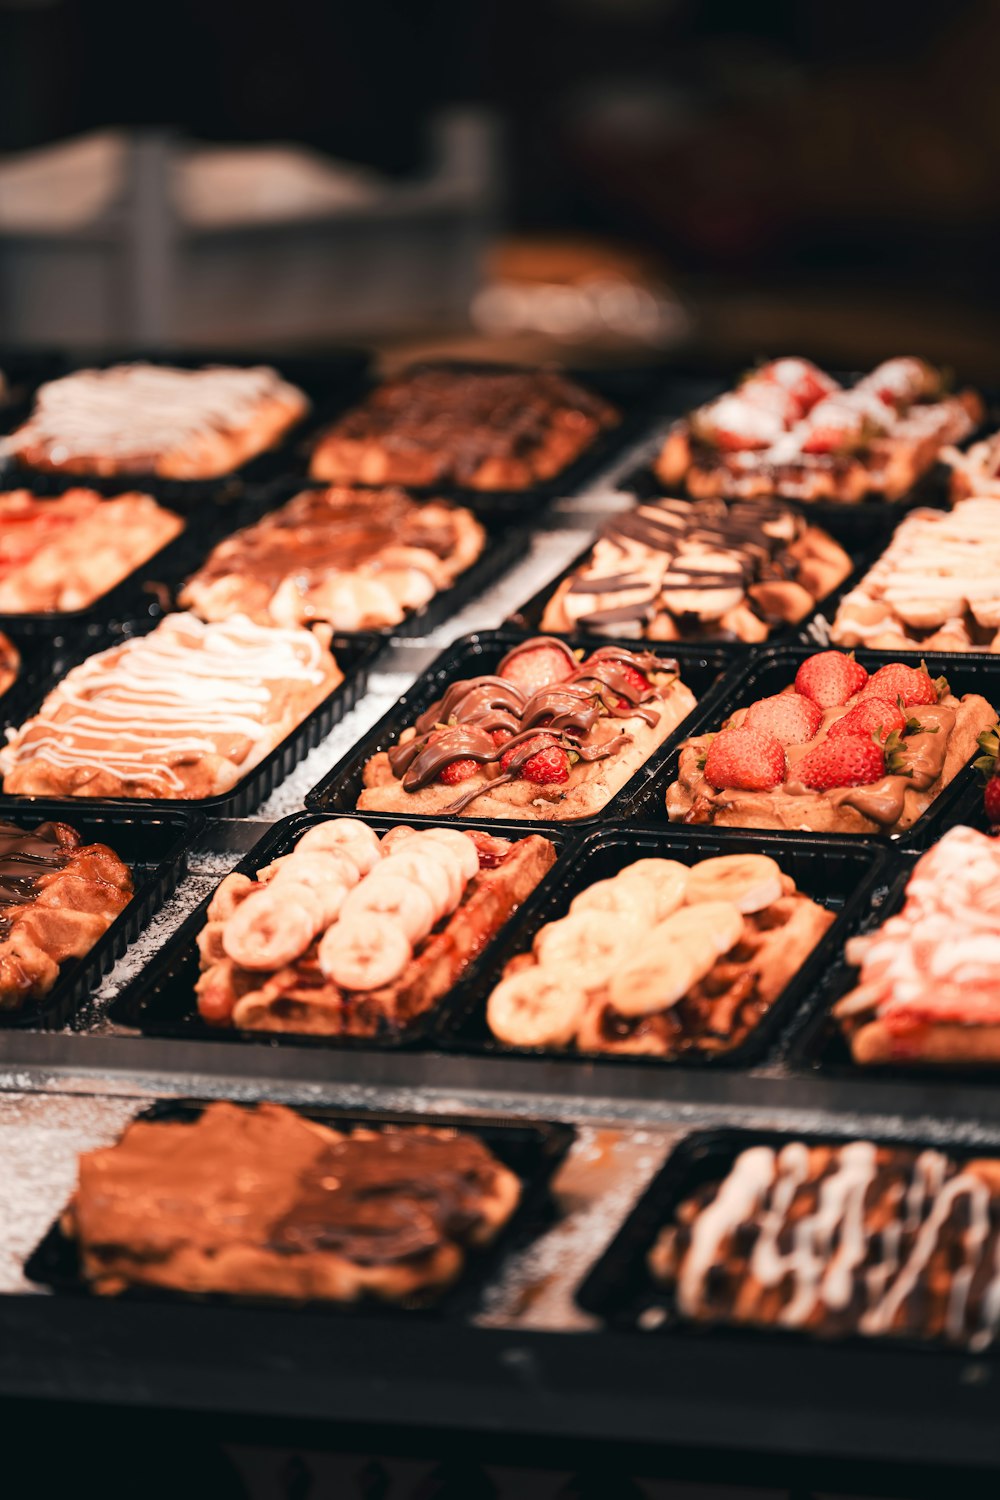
354 656
162 1000
701 669
645 1284
154 846
728 1016
768 673
531 1151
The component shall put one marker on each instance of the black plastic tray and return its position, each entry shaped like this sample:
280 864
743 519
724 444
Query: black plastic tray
355 655
161 1000
40 660
155 847
531 1150
771 669
330 380
620 1289
637 393
840 876
24 370
702 669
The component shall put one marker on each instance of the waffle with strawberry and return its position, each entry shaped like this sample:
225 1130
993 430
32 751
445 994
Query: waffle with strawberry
663 959
926 990
789 429
552 734
838 751
359 934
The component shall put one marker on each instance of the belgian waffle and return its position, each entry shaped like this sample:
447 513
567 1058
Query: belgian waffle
261 1202
602 981
482 429
862 1239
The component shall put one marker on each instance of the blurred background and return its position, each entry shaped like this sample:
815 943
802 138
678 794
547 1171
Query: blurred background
586 179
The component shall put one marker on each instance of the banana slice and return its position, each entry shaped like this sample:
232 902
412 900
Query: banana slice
364 954
536 1008
228 896
616 895
395 837
422 870
592 941
668 877
408 905
460 845
347 836
448 860
661 975
268 930
707 930
327 874
749 881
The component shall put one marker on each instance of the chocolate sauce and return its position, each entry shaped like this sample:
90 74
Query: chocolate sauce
25 857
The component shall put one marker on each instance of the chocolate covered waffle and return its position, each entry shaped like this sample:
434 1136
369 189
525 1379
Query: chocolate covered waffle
838 751
927 988
681 570
664 959
57 897
482 429
359 559
791 430
155 419
10 663
881 1241
936 587
261 1202
63 554
183 712
353 934
547 736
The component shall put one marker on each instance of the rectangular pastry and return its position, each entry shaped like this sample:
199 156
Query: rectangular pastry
183 712
838 751
57 897
547 737
482 429
936 587
663 959
841 1240
359 559
261 1202
63 554
157 419
674 570
357 934
928 988
10 663
790 430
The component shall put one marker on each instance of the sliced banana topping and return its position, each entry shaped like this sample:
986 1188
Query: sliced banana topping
668 878
750 882
364 954
655 979
591 941
635 897
536 1008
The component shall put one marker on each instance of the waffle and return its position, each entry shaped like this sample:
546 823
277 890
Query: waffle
480 428
183 712
601 981
789 430
57 897
260 1202
59 555
926 992
473 751
10 663
676 570
260 989
359 559
935 588
880 1241
154 419
976 470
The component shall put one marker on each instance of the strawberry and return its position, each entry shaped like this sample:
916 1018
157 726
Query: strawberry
733 425
458 770
804 383
537 667
989 743
872 716
991 801
909 686
746 759
791 718
852 760
636 680
830 678
548 766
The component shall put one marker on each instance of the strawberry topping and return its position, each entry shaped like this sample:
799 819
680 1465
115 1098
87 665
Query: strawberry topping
790 717
745 759
830 678
851 760
872 716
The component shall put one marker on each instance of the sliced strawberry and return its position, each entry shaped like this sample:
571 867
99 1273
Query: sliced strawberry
872 716
733 425
852 760
536 667
790 717
458 770
547 764
746 760
910 686
804 383
830 678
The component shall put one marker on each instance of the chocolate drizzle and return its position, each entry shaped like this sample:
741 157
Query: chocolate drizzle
25 857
